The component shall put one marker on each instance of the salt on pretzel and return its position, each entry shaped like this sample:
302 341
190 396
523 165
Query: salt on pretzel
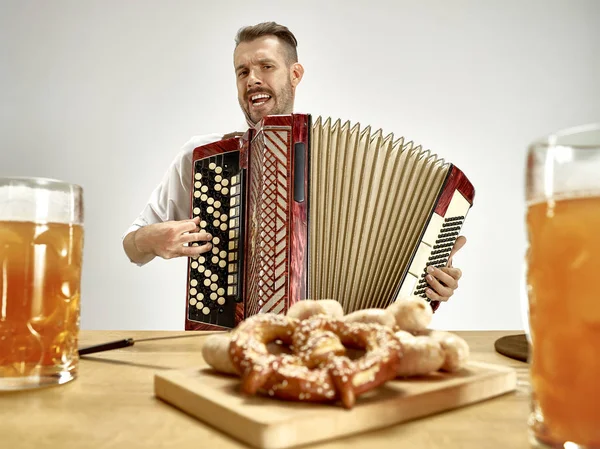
317 371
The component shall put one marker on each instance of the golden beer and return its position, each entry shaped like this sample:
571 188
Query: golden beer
564 260
40 273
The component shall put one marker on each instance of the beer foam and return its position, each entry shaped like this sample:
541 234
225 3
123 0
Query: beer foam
575 195
39 205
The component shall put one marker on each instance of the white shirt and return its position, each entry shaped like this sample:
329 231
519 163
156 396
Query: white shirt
170 200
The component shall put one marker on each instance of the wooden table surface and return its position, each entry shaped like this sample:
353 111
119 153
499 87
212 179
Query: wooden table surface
111 405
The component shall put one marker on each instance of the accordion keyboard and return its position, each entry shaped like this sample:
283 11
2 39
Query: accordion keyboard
215 277
435 246
440 252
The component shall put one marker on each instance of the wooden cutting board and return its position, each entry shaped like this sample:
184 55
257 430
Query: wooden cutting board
272 424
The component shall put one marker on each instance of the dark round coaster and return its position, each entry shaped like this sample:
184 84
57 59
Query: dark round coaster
513 346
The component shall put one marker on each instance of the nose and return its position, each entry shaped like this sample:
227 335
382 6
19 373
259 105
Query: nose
253 79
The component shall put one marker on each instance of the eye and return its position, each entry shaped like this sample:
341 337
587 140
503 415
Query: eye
267 66
242 73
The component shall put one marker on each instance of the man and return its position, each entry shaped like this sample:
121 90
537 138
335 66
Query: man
268 73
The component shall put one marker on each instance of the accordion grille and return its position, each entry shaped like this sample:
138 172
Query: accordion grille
268 202
370 199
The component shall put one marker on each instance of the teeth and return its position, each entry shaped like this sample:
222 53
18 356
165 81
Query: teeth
256 97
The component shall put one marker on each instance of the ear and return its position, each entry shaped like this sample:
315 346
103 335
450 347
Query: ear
296 73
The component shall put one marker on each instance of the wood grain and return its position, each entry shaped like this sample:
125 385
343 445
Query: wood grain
112 405
266 423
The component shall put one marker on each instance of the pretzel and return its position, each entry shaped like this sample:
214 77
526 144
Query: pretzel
411 313
318 371
308 307
379 316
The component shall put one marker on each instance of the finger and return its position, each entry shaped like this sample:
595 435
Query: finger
458 244
443 276
193 251
188 225
201 236
439 290
454 272
437 281
435 296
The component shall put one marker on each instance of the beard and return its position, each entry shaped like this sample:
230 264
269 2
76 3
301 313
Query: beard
281 101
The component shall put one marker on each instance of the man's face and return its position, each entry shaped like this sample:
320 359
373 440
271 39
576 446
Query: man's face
265 82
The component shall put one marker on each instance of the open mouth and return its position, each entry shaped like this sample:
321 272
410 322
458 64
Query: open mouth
258 100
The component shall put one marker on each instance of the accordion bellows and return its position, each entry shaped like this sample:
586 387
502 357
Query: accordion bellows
318 209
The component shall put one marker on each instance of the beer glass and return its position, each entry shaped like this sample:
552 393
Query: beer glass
563 269
41 244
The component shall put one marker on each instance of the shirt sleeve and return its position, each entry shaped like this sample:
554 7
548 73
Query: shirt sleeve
170 200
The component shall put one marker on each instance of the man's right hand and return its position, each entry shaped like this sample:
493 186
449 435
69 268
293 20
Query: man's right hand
167 240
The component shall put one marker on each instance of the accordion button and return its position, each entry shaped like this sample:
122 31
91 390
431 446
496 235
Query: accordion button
193 291
221 291
221 301
196 210
200 296
213 296
204 197
207 273
193 302
199 305
222 264
198 176
218 178
224 227
210 200
225 191
225 183
217 204
196 194
215 260
206 311
218 188
219 170
212 166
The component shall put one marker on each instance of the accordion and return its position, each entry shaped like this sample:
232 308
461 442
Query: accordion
317 209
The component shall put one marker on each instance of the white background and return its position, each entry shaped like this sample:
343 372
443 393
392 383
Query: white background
104 93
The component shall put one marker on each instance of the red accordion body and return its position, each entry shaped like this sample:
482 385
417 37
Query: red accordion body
253 194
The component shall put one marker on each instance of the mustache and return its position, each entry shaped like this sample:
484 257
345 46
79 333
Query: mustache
258 90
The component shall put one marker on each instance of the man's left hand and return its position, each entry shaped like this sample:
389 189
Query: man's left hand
444 281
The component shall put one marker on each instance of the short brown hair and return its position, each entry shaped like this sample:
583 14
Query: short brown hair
249 33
